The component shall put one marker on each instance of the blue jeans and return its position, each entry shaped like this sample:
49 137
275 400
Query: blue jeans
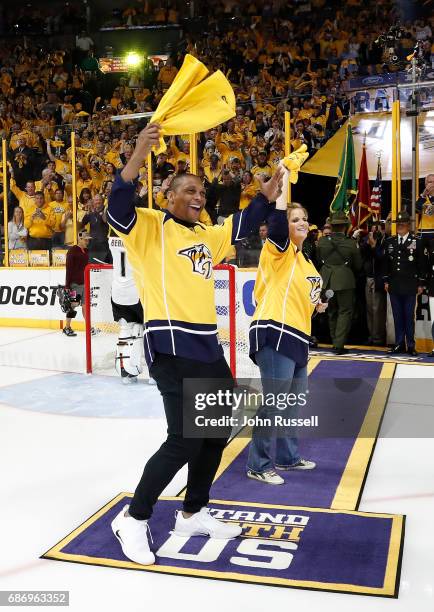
279 374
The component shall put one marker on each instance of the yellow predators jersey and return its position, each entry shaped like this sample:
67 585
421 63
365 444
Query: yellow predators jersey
426 218
287 288
172 262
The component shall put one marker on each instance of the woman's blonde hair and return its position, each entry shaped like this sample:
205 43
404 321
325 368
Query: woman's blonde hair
296 206
16 209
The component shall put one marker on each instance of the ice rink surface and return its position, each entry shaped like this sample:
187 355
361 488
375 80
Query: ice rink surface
70 442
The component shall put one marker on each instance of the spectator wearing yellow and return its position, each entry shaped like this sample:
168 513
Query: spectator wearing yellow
306 112
249 188
230 150
84 181
179 154
235 168
276 153
167 74
212 168
62 165
22 139
40 222
45 124
96 171
26 199
59 207
47 185
263 169
231 135
5 81
67 225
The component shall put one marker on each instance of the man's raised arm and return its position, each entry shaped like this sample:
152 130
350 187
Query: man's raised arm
121 212
259 208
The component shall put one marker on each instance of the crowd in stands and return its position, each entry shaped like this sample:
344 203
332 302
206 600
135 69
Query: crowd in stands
279 57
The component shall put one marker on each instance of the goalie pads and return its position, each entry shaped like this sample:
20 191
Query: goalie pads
129 349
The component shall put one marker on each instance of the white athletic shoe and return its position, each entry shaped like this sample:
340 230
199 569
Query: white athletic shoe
133 538
269 477
303 464
202 523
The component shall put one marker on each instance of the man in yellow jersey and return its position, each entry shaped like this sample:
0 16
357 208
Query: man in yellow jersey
172 255
425 207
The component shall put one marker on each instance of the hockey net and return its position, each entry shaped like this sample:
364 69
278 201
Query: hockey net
102 331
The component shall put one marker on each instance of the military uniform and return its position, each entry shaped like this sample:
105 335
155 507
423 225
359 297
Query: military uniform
340 261
405 268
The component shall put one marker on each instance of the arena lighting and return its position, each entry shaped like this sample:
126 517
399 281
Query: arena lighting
133 59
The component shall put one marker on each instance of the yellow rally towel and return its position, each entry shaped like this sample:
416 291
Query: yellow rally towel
194 103
294 162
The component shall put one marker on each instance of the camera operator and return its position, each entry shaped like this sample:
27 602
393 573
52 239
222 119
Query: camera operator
372 251
76 262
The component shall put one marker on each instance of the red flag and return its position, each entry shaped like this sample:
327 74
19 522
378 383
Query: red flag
360 211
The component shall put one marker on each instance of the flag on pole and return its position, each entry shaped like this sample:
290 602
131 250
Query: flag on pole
360 209
345 190
376 195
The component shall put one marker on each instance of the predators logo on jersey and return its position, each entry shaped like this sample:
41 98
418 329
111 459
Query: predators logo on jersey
200 257
315 289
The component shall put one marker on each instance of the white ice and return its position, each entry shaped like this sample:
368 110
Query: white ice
58 469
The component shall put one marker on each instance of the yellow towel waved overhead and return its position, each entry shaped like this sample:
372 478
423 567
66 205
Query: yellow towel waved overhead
294 162
194 103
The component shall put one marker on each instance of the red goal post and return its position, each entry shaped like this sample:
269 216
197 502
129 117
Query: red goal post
100 348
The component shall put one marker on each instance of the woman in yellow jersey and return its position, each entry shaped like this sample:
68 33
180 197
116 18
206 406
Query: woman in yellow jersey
287 291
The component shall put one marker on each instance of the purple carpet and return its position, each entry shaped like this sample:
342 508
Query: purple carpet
340 393
340 551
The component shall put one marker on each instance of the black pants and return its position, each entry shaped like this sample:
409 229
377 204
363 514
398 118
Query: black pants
38 243
202 455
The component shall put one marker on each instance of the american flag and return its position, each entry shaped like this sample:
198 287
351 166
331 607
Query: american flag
376 195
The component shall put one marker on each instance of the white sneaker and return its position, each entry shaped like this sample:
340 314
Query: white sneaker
303 464
202 523
269 477
133 538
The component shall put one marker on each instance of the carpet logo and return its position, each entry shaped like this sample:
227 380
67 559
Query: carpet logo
263 533
285 546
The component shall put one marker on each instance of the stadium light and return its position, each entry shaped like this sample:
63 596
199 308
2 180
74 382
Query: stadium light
133 59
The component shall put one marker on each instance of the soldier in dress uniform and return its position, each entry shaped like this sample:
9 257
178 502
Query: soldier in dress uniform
340 261
405 267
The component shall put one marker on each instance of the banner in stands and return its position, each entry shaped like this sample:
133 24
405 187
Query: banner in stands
39 258
31 294
19 257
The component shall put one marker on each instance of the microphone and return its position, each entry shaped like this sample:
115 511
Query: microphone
327 296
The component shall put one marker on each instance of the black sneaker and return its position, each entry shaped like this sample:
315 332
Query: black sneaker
340 351
68 331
